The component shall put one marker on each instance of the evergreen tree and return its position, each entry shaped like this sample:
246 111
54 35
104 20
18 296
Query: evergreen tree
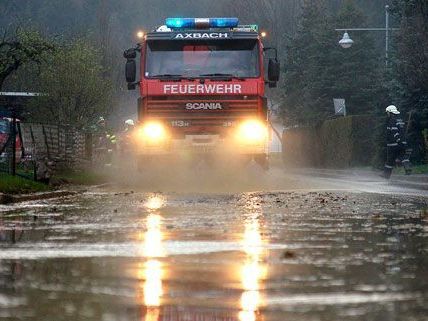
318 69
302 67
409 74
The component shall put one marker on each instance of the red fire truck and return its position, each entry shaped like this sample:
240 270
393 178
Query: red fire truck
202 89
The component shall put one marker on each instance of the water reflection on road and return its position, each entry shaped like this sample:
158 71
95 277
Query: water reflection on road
151 271
128 256
252 271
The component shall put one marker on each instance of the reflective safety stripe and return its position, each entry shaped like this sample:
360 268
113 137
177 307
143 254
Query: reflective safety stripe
393 144
389 167
405 161
397 134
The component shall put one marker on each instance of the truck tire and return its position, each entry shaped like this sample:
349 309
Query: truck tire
262 160
143 163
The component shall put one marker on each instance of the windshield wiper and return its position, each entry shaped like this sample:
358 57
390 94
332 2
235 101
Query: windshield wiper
220 75
167 76
216 75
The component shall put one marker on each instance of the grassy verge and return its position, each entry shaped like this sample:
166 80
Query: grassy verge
416 169
18 185
82 178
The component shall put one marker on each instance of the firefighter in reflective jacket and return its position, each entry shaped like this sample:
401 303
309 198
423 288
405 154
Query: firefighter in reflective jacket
106 145
396 144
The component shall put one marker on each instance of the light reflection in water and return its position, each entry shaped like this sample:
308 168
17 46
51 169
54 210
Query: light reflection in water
155 202
252 272
153 284
151 271
153 236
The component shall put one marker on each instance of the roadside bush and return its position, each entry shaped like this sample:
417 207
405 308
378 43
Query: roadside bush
348 141
301 147
340 143
335 139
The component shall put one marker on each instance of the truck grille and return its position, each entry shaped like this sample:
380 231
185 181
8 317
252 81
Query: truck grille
201 108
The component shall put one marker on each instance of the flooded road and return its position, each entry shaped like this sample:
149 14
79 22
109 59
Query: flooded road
306 253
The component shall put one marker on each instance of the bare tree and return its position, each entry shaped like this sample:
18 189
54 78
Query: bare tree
21 48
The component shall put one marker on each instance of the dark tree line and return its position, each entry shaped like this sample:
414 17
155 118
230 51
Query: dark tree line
317 69
408 78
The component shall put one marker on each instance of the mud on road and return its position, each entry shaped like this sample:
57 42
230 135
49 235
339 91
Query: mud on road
302 254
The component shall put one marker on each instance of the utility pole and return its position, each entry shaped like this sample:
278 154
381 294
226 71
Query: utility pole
386 35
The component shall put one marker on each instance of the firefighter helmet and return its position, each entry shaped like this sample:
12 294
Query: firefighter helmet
163 29
392 109
129 122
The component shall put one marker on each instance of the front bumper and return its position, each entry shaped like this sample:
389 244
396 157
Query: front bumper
202 144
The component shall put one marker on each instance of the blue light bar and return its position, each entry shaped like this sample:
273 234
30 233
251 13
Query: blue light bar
180 23
201 23
224 22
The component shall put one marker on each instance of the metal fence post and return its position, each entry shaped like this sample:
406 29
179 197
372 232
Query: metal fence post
45 137
13 151
88 147
33 142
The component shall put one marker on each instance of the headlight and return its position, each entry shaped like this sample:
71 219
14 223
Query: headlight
152 132
252 131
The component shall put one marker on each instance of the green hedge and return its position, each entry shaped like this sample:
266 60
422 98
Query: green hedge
348 141
340 143
300 147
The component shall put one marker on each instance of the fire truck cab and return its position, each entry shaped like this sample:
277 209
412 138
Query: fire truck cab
202 89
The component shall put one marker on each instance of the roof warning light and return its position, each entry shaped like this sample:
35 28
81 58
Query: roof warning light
200 23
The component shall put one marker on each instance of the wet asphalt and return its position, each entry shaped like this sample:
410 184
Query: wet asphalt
289 246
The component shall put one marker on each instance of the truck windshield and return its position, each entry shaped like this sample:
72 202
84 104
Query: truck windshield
206 58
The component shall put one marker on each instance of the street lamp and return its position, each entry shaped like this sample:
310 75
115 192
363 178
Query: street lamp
346 41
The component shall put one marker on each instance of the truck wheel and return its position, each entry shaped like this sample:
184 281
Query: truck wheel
143 163
243 161
262 160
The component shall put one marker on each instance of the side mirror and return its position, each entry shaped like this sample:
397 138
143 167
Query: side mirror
274 69
272 84
130 71
130 53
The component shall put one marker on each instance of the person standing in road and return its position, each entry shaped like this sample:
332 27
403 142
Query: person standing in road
396 143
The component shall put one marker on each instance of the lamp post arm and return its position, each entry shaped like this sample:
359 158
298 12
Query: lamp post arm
368 29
